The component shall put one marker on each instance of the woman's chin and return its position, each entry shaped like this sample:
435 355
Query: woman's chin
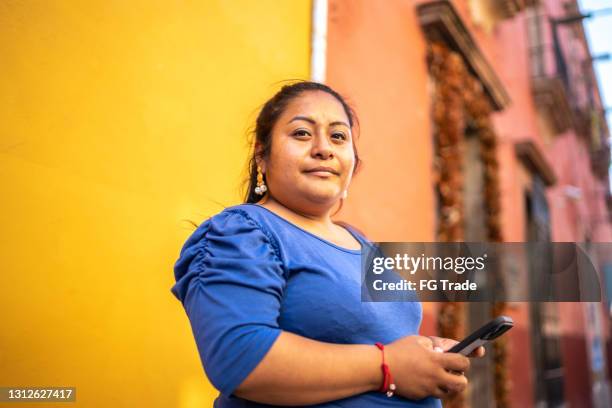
327 197
318 196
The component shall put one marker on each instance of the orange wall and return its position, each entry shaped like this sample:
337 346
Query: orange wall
386 80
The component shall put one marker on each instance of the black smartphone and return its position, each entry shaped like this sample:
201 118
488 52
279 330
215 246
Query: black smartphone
486 333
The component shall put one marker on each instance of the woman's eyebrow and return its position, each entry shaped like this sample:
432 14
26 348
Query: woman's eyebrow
314 122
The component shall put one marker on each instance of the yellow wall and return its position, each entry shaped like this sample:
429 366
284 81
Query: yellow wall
117 120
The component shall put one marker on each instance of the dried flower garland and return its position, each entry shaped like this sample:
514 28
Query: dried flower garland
459 98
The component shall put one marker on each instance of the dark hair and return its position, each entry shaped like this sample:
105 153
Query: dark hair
269 114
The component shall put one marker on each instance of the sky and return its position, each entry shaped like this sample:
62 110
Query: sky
599 34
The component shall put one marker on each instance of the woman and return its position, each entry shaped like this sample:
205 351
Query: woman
272 287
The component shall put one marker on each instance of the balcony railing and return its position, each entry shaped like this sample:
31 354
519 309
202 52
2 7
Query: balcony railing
550 79
509 8
563 82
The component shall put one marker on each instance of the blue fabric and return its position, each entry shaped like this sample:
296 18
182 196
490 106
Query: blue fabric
246 274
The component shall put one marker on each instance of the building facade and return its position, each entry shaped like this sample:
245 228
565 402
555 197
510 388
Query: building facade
482 120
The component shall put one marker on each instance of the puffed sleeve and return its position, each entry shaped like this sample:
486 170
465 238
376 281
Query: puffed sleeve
230 281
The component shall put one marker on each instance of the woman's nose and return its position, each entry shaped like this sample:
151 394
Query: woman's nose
321 147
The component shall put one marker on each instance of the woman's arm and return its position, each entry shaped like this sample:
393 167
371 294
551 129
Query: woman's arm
301 371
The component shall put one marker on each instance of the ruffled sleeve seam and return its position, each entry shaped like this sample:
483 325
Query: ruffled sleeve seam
200 255
270 239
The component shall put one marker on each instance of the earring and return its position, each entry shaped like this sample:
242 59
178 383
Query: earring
344 194
261 187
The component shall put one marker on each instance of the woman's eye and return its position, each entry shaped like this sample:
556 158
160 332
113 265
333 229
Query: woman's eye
301 132
339 136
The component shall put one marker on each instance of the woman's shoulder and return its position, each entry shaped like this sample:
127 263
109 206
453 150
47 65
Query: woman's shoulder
240 216
242 219
231 237
250 211
236 228
243 227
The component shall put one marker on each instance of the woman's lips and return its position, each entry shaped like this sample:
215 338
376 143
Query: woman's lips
321 173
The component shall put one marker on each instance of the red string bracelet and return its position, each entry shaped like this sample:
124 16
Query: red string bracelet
387 386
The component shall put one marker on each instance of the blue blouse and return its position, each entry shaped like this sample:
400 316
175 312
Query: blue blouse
246 274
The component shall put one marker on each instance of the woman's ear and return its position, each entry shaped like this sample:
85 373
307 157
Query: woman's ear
262 164
259 159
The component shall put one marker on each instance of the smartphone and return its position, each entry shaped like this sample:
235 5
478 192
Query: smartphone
486 333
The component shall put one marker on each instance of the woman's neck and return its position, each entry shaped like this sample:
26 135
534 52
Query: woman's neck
315 219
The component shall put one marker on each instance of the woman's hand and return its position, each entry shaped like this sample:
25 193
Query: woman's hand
419 371
445 344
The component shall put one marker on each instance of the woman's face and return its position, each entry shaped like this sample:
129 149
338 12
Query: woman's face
312 158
